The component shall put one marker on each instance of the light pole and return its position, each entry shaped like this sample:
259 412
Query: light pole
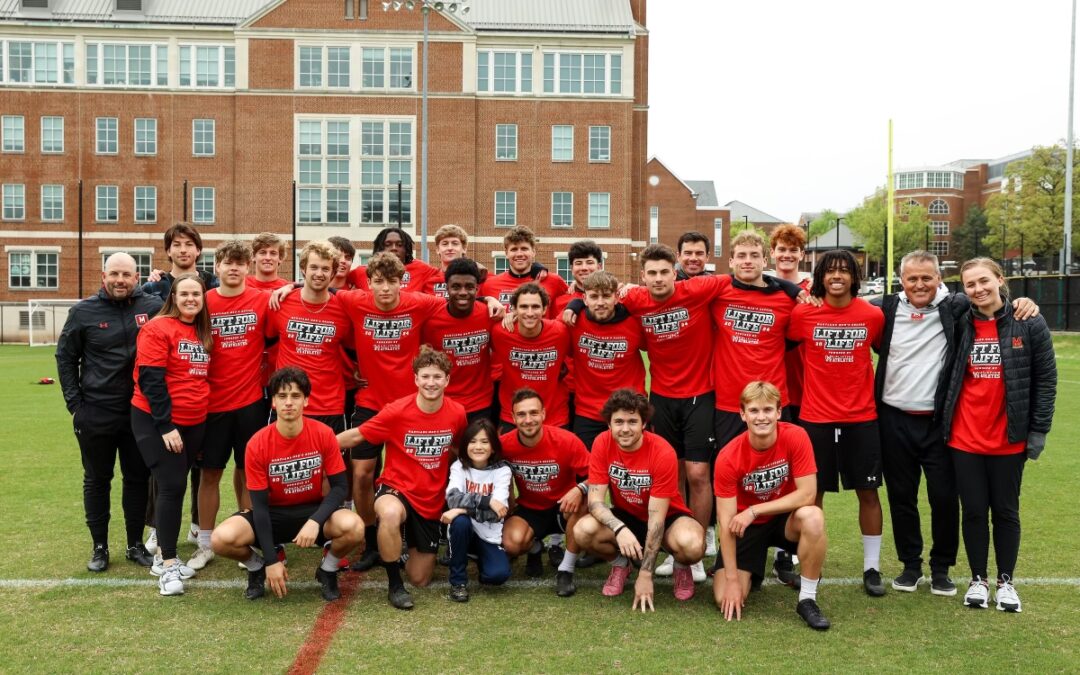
839 220
425 7
746 222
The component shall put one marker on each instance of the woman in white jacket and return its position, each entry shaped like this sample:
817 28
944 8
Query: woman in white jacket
477 496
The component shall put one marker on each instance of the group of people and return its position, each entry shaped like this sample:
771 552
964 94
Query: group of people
763 397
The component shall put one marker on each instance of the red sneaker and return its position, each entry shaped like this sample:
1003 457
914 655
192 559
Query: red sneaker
616 580
683 580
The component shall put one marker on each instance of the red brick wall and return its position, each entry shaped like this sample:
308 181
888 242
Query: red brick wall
270 64
330 15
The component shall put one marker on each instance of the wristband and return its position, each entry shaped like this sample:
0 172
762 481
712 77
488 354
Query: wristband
753 512
619 529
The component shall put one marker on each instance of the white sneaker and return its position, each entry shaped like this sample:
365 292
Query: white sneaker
151 542
977 593
200 559
1006 597
710 540
159 568
698 570
171 581
666 568
193 534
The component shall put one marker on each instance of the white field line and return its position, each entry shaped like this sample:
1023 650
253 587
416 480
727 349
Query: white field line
381 585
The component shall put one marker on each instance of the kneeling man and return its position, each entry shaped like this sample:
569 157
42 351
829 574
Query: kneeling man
765 483
286 463
647 511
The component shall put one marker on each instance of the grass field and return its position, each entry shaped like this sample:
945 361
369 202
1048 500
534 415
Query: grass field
117 621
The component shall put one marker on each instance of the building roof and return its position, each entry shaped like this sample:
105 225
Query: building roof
965 164
706 193
215 12
827 241
564 16
739 209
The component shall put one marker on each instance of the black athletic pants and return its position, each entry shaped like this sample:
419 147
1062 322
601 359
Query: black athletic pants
196 478
990 483
912 445
102 435
170 472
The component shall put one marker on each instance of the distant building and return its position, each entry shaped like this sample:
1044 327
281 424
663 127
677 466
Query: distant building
744 214
677 206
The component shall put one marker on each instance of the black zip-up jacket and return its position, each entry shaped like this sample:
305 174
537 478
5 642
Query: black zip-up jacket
1028 367
95 355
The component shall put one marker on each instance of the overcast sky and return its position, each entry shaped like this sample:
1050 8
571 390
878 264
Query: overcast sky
784 104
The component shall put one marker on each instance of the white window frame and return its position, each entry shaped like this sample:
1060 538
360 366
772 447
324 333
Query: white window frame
136 198
196 198
36 255
98 192
524 75
14 141
205 262
223 74
939 248
151 141
562 225
94 64
499 263
564 269
16 192
934 210
139 254
65 55
512 156
53 219
509 199
596 154
557 57
555 130
114 133
606 225
195 142
45 151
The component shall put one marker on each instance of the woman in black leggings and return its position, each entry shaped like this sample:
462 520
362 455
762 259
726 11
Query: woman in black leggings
168 411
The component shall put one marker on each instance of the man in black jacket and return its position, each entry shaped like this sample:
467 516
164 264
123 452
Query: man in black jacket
95 356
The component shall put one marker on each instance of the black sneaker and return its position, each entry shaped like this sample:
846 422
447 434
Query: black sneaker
941 584
256 587
586 560
783 567
564 584
369 559
328 583
811 614
99 559
555 555
908 581
458 593
871 581
400 598
139 555
534 565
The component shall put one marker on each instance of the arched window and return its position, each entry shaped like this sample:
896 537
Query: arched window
938 207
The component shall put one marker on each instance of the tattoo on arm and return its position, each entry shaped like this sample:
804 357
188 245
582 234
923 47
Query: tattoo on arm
652 539
599 510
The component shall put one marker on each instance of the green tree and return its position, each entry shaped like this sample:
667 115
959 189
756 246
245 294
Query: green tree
1032 202
868 220
741 226
969 239
825 221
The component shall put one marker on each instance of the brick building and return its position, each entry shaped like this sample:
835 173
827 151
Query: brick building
676 206
121 117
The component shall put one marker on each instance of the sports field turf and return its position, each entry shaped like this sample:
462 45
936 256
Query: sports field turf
57 617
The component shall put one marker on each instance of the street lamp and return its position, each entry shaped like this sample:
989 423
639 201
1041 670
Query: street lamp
425 7
746 222
839 219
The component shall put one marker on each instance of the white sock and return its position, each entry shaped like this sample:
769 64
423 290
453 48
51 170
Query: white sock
808 589
620 561
204 538
349 504
194 527
568 560
555 540
871 552
254 563
152 533
330 562
536 547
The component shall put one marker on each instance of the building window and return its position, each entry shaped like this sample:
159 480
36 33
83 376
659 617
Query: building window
205 263
599 209
14 197
337 67
562 209
127 65
202 138
938 207
311 66
505 208
52 135
202 199
654 224
145 204
562 143
578 73
207 66
14 133
145 136
107 204
599 144
939 248
504 72
107 136
374 68
33 269
143 260
502 263
940 227
37 62
506 142
52 203
718 237
562 268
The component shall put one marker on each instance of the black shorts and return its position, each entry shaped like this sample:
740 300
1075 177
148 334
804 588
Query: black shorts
752 549
640 528
419 532
286 522
852 451
587 429
481 414
726 426
687 424
542 523
228 433
365 450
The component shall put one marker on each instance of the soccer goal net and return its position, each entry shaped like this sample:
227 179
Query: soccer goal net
44 319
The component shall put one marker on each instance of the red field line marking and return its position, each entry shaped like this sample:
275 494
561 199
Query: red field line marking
326 626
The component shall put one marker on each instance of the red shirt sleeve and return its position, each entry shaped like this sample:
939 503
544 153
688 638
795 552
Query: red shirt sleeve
665 474
377 430
333 464
255 463
725 480
598 460
579 458
802 454
153 345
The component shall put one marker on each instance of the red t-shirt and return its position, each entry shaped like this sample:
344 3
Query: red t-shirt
679 334
436 285
416 276
502 286
467 341
793 364
979 423
386 343
169 343
419 449
292 469
609 356
239 326
750 342
650 471
548 471
270 356
757 476
838 367
557 306
272 285
310 337
534 363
